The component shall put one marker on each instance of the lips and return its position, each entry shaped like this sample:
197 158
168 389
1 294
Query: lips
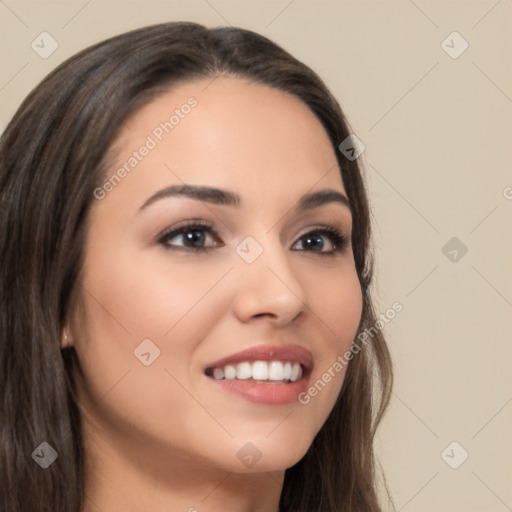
264 374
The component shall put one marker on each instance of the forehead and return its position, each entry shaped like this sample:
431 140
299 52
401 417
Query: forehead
230 133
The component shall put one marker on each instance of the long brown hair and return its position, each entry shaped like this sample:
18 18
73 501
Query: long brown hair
53 154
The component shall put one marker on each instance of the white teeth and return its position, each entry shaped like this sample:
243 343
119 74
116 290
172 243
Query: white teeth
243 371
296 372
260 370
275 371
287 371
229 372
218 373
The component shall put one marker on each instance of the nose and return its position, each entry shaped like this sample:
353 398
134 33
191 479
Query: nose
269 288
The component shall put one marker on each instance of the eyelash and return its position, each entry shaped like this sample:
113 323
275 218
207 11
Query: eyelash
339 240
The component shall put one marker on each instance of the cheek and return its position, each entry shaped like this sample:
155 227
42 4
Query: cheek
142 296
173 305
337 304
132 297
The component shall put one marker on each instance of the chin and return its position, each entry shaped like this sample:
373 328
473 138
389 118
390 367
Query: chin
268 454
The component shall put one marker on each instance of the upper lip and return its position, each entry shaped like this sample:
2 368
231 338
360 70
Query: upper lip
287 353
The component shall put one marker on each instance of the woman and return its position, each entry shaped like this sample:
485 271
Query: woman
185 278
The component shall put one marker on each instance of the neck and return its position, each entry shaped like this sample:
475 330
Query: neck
119 476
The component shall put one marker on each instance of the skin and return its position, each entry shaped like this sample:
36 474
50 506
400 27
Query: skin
163 437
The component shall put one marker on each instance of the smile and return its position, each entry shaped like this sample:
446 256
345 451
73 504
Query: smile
264 374
258 371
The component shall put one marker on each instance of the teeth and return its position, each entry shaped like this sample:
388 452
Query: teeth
260 370
275 370
243 371
296 372
229 372
287 371
218 373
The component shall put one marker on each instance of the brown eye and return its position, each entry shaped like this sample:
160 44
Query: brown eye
192 236
314 241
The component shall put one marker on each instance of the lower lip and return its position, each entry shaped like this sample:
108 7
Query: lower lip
265 392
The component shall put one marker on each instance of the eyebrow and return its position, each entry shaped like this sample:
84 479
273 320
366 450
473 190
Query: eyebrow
226 198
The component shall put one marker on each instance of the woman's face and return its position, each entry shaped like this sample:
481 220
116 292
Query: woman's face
255 289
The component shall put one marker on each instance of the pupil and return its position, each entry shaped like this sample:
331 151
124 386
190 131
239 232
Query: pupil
315 242
195 237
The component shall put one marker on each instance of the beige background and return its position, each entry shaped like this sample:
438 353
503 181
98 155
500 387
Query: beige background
437 132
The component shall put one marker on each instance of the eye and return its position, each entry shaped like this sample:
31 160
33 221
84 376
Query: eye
314 241
193 235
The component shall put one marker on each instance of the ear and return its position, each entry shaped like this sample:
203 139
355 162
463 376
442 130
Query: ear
66 338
